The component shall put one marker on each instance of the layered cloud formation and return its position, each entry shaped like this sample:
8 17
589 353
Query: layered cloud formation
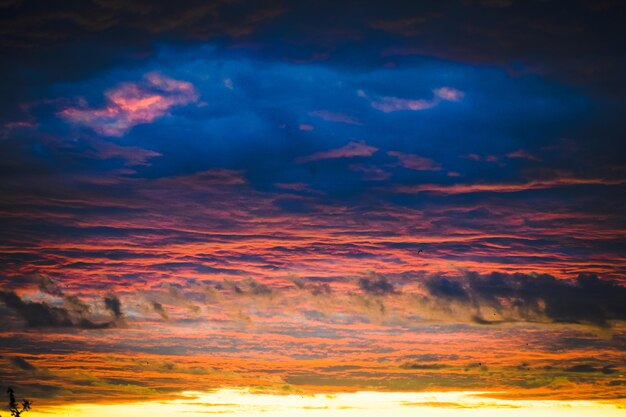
312 198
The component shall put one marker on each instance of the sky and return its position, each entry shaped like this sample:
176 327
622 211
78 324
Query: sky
324 208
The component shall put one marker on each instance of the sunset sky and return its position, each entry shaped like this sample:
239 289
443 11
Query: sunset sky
316 208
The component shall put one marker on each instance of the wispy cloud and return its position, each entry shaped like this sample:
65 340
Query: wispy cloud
509 187
415 162
389 104
350 150
335 117
132 155
523 154
371 172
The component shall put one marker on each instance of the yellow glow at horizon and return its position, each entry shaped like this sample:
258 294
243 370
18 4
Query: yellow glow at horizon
241 402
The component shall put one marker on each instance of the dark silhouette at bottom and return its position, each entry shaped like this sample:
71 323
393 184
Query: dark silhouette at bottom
15 408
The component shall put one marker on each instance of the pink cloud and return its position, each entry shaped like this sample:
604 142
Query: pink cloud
305 126
350 150
335 117
216 177
130 104
17 125
415 162
473 157
449 94
393 104
10 126
292 186
477 158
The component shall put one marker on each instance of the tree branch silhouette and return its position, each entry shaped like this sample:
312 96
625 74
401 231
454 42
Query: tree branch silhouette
15 408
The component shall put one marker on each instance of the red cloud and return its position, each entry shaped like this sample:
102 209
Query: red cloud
130 104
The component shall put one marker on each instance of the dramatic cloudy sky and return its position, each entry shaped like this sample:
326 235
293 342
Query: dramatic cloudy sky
210 203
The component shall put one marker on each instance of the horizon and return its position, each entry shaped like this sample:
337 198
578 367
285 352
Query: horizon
339 208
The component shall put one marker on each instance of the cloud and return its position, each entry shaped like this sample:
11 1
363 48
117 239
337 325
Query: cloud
159 309
423 366
393 104
39 25
587 368
539 184
477 157
49 286
130 104
521 153
132 155
371 172
498 297
36 314
204 180
415 162
113 304
449 94
76 306
388 104
335 117
315 289
352 149
41 314
22 364
447 289
376 284
9 127
231 286
503 34
255 287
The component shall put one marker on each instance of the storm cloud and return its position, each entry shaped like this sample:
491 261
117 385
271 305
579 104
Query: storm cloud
42 314
497 297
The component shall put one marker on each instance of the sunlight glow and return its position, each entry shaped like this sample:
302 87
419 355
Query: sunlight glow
234 402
